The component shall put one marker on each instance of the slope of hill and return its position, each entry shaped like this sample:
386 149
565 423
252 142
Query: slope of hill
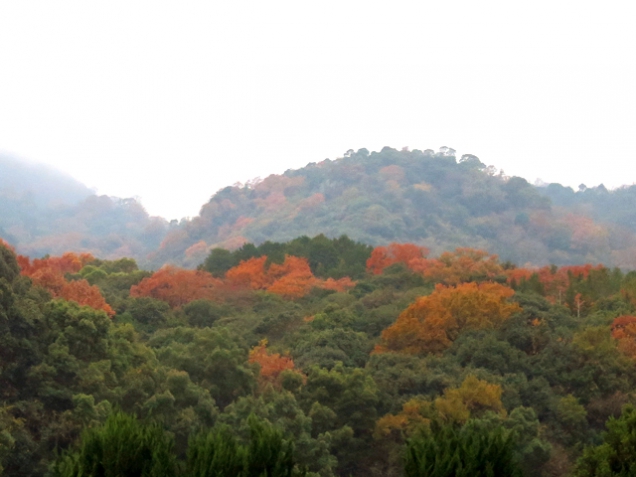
431 199
44 211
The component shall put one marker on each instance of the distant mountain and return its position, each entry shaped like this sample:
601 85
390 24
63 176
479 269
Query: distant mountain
43 185
425 197
44 211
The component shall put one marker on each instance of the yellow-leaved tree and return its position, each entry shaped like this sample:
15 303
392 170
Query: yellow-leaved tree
433 322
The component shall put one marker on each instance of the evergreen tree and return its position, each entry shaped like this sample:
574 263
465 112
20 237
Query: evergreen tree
617 455
218 453
122 446
471 451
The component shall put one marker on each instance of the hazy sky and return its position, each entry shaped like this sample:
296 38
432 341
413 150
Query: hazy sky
170 101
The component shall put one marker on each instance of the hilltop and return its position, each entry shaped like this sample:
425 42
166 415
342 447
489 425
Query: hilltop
428 198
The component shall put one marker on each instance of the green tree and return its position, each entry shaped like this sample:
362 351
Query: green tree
219 453
219 261
470 451
121 447
616 456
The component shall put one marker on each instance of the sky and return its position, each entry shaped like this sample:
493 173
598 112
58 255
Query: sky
171 101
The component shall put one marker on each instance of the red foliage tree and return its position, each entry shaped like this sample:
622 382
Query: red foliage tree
624 332
177 286
462 265
249 273
271 364
291 279
80 291
341 285
383 257
67 263
49 273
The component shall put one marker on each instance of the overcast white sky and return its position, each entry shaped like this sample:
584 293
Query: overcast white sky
170 101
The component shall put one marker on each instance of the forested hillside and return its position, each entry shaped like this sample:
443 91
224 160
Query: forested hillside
339 355
432 199
43 211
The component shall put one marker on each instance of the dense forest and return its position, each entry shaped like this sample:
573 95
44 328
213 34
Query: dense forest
320 357
432 199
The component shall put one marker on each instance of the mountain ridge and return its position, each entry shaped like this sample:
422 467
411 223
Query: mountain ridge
424 197
429 198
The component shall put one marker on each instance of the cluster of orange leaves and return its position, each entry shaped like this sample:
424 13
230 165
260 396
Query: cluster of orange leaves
624 332
383 257
291 279
555 281
450 268
271 364
433 322
49 273
468 264
178 286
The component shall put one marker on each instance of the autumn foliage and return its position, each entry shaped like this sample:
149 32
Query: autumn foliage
250 273
451 268
383 257
624 331
291 279
50 273
82 292
271 364
471 399
67 263
433 322
177 286
462 265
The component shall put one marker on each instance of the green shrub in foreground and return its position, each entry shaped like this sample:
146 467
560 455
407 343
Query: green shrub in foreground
470 451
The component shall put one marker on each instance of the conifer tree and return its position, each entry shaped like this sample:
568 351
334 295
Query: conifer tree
218 453
121 446
470 451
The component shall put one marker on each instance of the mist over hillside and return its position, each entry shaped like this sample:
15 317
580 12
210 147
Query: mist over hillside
44 211
42 184
429 198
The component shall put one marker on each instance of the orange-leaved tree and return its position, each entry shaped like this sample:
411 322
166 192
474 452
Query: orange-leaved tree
271 364
624 331
177 286
49 273
249 273
462 265
433 322
471 399
82 292
67 263
383 257
341 285
291 279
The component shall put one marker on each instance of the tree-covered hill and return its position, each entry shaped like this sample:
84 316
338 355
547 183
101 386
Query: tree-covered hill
431 199
43 211
325 358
